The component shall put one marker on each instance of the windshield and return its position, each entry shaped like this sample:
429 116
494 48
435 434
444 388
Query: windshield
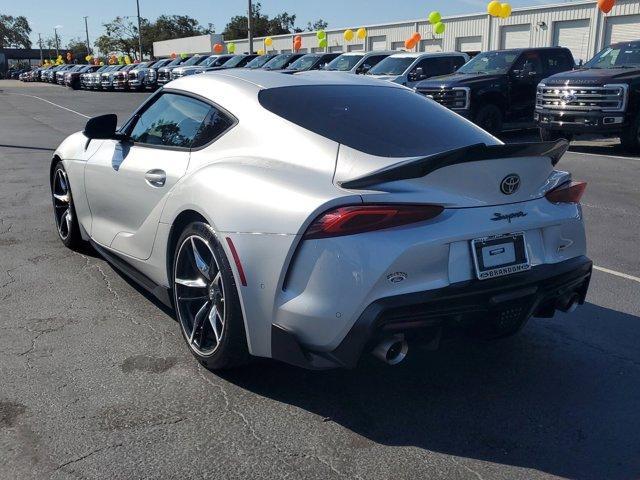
373 119
195 60
490 63
304 63
176 61
278 61
159 63
617 56
392 66
235 61
259 61
344 63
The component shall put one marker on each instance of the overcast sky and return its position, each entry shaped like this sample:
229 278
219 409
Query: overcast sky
43 15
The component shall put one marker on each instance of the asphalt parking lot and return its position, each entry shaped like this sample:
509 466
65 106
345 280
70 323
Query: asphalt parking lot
95 381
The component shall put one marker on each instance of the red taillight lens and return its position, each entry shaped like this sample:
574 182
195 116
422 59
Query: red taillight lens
366 218
570 192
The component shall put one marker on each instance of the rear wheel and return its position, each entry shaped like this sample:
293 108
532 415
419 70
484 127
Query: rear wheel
547 135
206 300
490 119
630 137
64 212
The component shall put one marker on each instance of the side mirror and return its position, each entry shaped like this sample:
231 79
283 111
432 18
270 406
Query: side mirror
417 74
102 127
364 68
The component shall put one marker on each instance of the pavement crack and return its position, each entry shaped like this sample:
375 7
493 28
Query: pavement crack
468 469
87 455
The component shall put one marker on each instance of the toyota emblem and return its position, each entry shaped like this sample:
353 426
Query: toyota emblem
510 184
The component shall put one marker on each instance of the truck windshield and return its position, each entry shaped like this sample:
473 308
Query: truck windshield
392 66
344 63
304 63
617 56
491 63
259 61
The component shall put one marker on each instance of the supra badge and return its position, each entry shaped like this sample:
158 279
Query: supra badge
510 184
509 216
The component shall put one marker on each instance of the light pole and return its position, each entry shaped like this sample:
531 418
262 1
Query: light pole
250 27
139 30
86 29
40 43
55 36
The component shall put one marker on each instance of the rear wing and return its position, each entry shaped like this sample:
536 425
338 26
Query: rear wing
417 168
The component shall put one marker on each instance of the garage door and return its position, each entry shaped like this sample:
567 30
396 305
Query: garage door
378 43
335 48
573 34
397 45
431 45
622 29
469 44
515 36
358 47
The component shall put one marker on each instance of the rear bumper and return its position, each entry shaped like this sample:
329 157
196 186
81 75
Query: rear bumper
531 293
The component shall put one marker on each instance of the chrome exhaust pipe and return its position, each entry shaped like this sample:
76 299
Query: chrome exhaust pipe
392 350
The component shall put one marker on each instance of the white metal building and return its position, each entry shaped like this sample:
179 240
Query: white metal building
578 25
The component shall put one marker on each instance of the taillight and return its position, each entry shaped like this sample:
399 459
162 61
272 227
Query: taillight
366 218
570 192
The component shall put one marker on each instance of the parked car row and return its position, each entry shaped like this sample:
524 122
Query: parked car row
497 90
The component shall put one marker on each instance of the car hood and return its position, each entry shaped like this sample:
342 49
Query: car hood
458 80
593 76
389 78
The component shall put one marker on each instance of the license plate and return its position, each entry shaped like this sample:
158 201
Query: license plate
500 255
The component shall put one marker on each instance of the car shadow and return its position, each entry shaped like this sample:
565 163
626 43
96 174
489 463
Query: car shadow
546 400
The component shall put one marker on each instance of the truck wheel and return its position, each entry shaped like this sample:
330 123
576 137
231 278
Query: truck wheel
630 137
547 135
489 118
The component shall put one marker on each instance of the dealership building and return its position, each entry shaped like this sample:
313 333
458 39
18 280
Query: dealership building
578 25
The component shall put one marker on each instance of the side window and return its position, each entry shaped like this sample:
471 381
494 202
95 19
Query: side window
556 62
214 124
457 62
374 60
171 121
529 62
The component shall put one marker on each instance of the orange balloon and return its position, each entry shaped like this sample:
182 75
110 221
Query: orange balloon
298 38
218 48
173 55
606 5
416 37
410 43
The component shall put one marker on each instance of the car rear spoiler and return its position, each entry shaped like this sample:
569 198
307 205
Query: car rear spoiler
417 168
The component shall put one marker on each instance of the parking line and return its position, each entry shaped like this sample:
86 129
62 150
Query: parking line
604 155
617 274
54 104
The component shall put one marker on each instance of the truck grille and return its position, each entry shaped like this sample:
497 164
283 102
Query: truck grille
610 98
453 98
133 75
163 76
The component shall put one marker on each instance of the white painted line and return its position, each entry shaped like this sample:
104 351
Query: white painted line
604 155
617 274
54 104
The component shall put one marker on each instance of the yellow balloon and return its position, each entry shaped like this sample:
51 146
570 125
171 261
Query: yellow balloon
268 41
494 8
362 33
505 10
261 52
348 35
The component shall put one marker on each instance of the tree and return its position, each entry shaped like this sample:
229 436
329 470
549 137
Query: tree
14 32
169 27
319 24
121 35
262 25
79 49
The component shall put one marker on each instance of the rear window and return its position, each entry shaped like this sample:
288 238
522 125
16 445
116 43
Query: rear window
382 121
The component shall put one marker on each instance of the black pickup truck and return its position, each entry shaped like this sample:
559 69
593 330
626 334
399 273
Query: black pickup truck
601 98
497 89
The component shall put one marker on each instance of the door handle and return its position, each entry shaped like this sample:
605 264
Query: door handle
156 178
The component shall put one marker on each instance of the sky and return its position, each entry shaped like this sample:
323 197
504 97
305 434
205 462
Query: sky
44 15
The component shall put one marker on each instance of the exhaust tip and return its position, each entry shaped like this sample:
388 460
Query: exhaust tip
569 304
392 350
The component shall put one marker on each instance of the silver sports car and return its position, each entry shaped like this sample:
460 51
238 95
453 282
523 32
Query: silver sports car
310 218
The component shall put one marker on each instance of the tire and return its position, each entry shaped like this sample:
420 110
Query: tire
206 300
490 119
547 135
64 212
630 137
